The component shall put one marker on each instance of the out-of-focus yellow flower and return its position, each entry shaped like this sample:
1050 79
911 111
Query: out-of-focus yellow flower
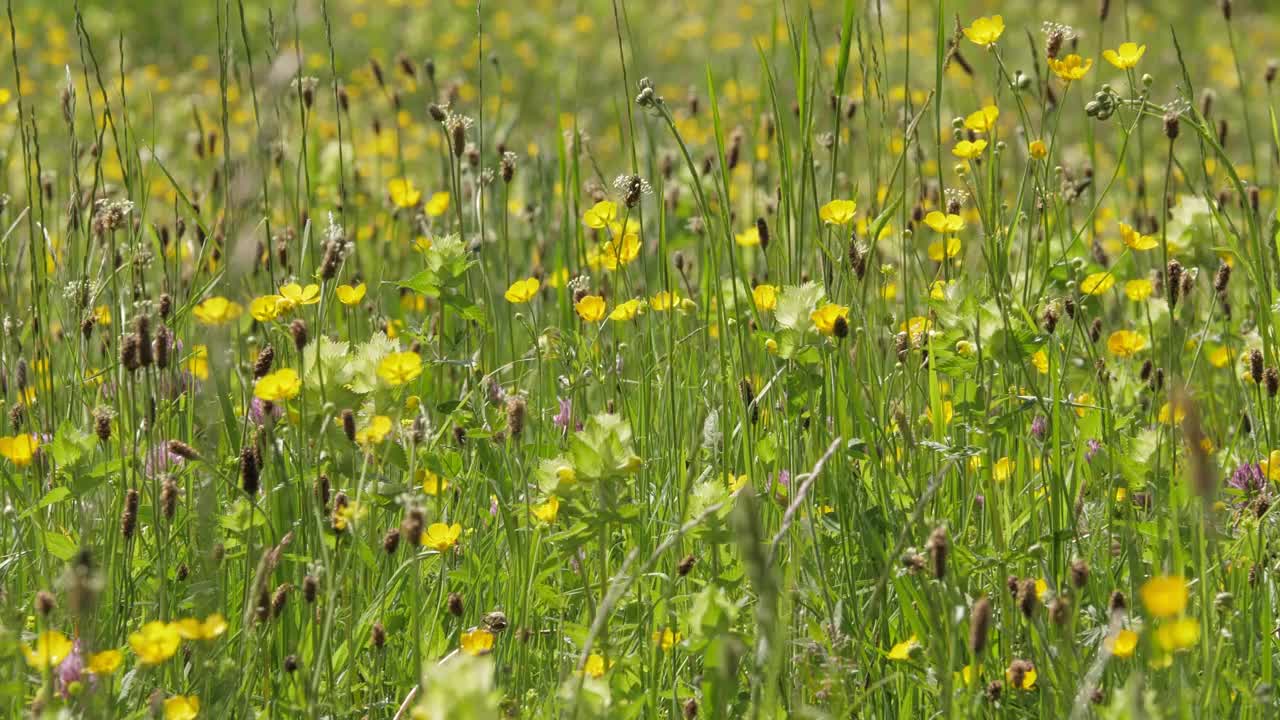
902 651
1126 343
106 662
19 449
476 642
216 310
1165 596
293 295
198 362
437 205
398 368
969 150
1037 149
1179 634
52 647
1098 283
940 250
1002 470
1040 360
748 238
944 223
547 511
626 311
207 629
1123 643
375 432
403 193
663 301
983 120
155 642
181 707
1138 290
667 638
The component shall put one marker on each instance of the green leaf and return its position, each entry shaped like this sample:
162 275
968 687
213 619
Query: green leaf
60 545
52 497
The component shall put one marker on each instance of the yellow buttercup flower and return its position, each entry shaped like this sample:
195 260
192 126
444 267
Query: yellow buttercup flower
522 291
1165 596
1126 343
838 212
902 651
280 386
1125 56
398 368
667 638
432 484
1040 360
1072 67
765 297
1179 634
349 295
983 120
375 432
944 223
207 629
476 642
594 667
591 308
1136 240
600 215
216 310
155 642
403 193
441 537
1171 414
52 647
626 311
106 662
1037 149
198 363
985 30
825 317
1123 643
620 251
663 301
547 511
967 150
1028 679
940 250
437 205
265 308
748 238
1098 283
1002 470
1138 290
19 449
181 707
293 295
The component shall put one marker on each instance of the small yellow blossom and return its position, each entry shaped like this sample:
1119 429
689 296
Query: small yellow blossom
350 295
399 368
476 642
440 537
985 30
522 291
825 318
591 308
1165 596
838 212
1126 56
279 386
1072 67
403 193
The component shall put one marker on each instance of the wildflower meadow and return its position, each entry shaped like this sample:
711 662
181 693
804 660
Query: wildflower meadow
466 360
